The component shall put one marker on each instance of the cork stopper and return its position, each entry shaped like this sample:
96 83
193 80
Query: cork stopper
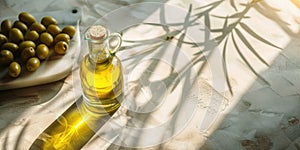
97 32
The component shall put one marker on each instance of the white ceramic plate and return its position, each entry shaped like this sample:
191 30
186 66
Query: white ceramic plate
55 67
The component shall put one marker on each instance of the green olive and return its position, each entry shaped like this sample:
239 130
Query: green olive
27 18
61 47
46 38
27 53
33 64
62 37
14 69
6 57
25 44
3 39
6 25
10 46
15 35
42 51
70 30
32 36
48 20
21 26
38 27
53 30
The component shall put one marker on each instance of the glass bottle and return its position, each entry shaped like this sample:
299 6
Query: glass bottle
102 85
101 71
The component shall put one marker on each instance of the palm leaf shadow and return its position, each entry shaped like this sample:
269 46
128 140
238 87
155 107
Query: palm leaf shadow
232 3
21 134
225 65
245 60
228 29
255 35
5 143
17 142
172 80
249 46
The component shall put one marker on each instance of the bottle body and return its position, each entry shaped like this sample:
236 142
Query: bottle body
102 84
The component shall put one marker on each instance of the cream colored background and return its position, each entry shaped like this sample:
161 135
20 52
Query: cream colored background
258 115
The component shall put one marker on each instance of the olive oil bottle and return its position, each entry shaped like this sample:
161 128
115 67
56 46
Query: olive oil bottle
102 85
101 72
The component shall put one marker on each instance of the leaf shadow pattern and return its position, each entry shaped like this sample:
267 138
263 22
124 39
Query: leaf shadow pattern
174 77
17 144
252 101
230 29
233 29
234 24
264 9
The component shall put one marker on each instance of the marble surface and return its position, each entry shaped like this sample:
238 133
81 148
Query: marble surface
245 54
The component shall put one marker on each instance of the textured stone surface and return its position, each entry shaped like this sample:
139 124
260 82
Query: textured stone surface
262 113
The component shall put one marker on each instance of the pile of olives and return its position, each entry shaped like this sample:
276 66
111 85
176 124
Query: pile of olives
28 42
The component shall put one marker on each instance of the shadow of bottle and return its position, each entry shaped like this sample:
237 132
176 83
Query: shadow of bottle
72 130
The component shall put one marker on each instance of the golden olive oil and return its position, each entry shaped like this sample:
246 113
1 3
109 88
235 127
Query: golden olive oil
102 83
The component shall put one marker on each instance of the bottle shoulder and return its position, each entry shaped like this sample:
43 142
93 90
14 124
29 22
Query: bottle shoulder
111 62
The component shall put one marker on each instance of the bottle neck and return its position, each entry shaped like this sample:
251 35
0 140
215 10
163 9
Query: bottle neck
98 44
98 52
